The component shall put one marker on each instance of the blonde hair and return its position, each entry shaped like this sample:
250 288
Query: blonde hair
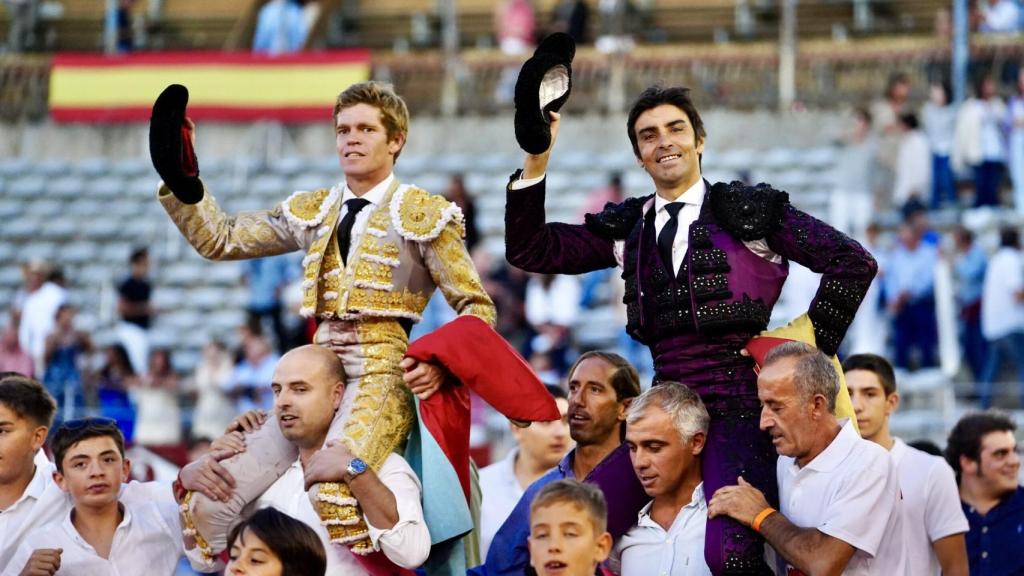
394 114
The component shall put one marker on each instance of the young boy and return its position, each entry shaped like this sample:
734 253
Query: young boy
26 484
568 536
102 534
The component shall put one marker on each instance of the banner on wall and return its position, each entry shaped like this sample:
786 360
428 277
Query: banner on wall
223 86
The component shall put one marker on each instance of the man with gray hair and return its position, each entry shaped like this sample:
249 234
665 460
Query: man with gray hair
666 428
840 504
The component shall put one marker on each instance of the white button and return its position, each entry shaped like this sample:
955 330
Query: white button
984 554
984 529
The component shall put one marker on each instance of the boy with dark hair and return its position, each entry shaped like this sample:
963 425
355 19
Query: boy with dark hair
101 532
568 530
983 451
26 412
933 522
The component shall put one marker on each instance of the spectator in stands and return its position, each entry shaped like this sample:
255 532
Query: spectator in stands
1000 16
969 263
568 535
272 543
839 495
136 310
938 118
978 143
103 533
885 115
983 452
281 28
619 21
515 26
249 386
913 163
910 297
114 380
35 307
601 386
309 383
266 279
539 447
552 309
666 428
1015 123
852 207
66 357
213 409
457 194
573 18
933 522
125 26
158 422
26 413
1002 313
12 357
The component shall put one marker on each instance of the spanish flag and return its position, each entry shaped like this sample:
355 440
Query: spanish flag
224 86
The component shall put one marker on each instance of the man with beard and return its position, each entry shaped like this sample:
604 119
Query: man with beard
601 386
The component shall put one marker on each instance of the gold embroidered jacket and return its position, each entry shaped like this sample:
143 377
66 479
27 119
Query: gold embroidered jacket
412 244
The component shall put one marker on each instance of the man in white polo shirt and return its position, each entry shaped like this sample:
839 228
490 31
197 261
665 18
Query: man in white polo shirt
933 520
840 507
666 428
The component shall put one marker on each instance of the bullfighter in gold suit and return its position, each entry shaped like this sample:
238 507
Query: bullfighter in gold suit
375 251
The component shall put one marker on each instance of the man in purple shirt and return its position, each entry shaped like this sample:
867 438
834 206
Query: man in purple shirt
601 386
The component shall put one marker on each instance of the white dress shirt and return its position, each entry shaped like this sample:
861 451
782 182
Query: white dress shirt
1002 313
647 550
851 492
407 543
931 506
501 492
147 540
43 502
375 196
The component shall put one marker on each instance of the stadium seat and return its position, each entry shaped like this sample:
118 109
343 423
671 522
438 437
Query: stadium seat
93 167
27 187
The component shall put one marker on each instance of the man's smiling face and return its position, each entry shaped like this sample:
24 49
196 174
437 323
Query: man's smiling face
669 148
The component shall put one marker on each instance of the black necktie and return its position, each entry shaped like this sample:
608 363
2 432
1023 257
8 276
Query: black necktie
345 228
668 235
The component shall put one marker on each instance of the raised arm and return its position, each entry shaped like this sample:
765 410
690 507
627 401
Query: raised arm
847 270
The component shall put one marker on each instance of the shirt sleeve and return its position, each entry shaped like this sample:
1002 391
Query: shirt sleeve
521 183
407 543
18 561
943 514
860 512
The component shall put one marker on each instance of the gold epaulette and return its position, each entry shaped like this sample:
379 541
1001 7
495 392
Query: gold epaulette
421 216
308 209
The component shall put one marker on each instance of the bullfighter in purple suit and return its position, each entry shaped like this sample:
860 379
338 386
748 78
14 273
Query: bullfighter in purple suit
703 266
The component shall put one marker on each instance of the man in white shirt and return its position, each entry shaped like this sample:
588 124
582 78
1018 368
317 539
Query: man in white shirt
933 521
840 508
102 535
1002 312
666 428
308 386
37 306
540 446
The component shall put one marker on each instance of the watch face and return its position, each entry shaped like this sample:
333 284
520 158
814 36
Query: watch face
357 466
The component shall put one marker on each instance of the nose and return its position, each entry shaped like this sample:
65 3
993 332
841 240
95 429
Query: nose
766 421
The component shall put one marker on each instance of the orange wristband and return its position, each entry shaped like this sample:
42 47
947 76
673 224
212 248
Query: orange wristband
756 524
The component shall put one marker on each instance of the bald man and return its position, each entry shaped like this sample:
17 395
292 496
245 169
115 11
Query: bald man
308 386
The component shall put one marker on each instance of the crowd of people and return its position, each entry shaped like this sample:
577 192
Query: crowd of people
743 454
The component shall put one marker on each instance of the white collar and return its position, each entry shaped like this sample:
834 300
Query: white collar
693 195
836 451
69 526
375 194
41 478
697 500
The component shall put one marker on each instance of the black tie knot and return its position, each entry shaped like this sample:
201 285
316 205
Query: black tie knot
354 205
673 209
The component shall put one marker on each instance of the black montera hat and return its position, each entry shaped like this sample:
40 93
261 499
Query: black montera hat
171 149
543 86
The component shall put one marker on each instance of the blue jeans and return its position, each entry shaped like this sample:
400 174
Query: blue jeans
943 183
987 177
1009 347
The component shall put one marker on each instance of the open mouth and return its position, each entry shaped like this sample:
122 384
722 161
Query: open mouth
668 158
288 419
354 155
555 566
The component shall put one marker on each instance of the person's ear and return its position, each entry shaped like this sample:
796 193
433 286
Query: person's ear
893 402
819 406
396 144
337 393
39 437
126 470
967 466
624 408
60 480
604 546
697 442
698 144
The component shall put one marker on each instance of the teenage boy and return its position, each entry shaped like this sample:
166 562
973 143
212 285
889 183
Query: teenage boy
101 534
568 534
933 521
